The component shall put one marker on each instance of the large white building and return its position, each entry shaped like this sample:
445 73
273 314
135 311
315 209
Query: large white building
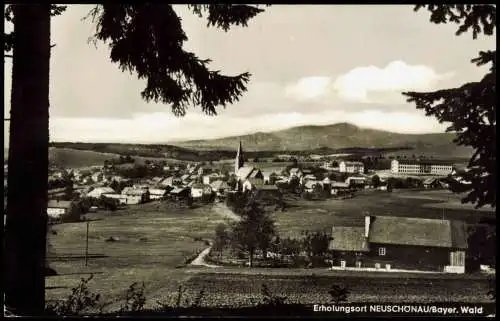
422 167
351 167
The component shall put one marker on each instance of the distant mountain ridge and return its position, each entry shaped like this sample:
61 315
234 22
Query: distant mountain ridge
336 136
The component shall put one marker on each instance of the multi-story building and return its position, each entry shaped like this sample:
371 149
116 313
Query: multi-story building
422 167
351 167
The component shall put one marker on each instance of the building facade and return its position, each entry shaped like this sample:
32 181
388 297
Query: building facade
421 167
351 167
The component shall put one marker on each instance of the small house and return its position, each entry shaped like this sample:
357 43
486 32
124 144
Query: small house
312 186
63 210
122 199
171 181
157 193
406 243
212 177
136 195
220 187
99 191
351 167
199 190
179 193
97 177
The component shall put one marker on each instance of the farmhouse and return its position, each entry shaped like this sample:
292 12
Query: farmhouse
157 193
270 176
179 193
355 181
340 188
136 195
99 191
171 181
122 199
63 210
434 183
312 186
386 242
198 190
422 167
212 177
351 167
220 187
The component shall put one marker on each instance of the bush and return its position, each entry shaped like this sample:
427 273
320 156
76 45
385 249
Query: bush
79 302
134 298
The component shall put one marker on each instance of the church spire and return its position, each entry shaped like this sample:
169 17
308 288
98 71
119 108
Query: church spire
239 159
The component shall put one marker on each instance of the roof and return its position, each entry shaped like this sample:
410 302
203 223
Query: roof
246 171
430 180
417 231
101 190
178 190
133 191
424 161
58 204
157 191
197 185
218 184
348 238
310 184
340 185
267 187
350 163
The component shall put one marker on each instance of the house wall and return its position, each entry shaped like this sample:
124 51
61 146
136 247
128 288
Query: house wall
196 192
409 257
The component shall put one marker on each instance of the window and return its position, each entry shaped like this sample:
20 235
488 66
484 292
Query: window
381 251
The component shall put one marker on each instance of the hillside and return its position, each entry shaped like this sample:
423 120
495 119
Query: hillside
337 136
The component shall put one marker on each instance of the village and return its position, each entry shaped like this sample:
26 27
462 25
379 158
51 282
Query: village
188 182
120 183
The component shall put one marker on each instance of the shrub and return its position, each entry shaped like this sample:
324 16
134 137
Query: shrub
79 302
338 294
270 299
134 298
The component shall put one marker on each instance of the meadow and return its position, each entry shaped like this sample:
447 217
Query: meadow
320 215
151 241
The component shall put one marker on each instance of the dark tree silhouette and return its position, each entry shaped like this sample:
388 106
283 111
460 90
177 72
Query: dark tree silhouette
144 38
470 108
255 230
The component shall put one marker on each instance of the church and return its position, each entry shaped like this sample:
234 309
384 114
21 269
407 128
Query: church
247 177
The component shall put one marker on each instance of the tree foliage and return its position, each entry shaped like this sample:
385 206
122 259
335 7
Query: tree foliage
148 39
470 108
254 231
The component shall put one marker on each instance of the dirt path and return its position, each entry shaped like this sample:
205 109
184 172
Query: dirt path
224 211
200 259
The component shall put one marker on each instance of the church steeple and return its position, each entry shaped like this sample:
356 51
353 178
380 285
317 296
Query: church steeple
239 159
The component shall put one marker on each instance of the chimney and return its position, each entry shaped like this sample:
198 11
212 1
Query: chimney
367 225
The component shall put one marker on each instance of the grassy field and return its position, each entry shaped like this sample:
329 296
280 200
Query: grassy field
319 215
152 240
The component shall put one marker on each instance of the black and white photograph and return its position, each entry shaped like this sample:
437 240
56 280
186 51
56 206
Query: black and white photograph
231 160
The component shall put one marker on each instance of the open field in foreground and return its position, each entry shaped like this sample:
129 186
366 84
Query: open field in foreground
152 239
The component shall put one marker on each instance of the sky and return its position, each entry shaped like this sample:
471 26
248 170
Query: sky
310 64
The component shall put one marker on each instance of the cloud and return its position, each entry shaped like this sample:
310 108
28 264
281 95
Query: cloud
360 83
309 88
369 84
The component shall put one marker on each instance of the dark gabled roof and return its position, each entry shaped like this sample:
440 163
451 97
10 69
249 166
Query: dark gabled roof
417 231
458 234
348 238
